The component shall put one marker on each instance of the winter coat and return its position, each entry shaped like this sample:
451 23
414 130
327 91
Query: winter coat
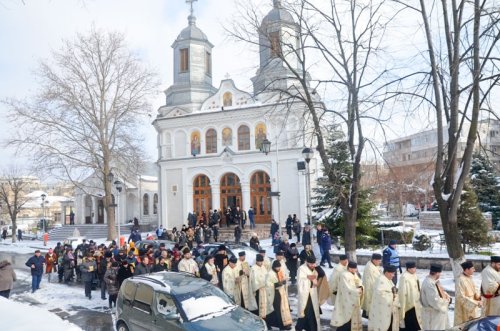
88 269
326 242
111 279
142 269
254 243
274 228
38 262
306 238
7 276
51 261
124 273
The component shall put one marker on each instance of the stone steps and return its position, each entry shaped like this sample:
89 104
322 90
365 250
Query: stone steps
91 231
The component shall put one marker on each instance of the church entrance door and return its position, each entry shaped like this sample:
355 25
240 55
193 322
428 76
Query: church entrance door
202 195
230 191
260 186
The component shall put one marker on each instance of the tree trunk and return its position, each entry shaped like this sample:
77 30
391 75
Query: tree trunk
350 235
13 218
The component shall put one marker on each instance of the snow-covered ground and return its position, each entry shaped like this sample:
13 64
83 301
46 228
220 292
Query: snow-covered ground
70 299
18 316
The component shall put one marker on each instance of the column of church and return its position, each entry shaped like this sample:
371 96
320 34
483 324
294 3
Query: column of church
93 212
215 196
245 193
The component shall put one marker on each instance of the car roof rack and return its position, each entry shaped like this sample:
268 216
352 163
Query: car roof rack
153 280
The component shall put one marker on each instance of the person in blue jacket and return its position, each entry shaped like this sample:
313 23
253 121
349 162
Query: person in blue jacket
390 257
36 263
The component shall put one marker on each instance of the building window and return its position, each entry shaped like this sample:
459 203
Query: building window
208 63
145 204
184 60
243 138
260 135
155 204
227 99
211 141
274 39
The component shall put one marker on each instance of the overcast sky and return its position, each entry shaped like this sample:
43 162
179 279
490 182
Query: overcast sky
30 29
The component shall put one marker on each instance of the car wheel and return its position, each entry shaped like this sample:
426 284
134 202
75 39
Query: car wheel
122 327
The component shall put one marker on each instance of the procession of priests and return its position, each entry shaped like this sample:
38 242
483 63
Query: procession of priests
371 298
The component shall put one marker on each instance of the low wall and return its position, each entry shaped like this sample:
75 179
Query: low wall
423 262
430 220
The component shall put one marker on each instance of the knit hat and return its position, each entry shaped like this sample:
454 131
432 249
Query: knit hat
390 268
352 265
467 265
436 268
410 264
311 259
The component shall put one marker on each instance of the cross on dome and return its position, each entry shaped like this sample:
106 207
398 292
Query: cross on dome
190 2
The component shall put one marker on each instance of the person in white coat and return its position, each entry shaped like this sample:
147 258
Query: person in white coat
308 304
347 311
490 287
370 276
229 275
384 307
435 301
410 311
333 282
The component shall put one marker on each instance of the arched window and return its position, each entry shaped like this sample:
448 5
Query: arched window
145 204
211 141
227 99
243 138
155 204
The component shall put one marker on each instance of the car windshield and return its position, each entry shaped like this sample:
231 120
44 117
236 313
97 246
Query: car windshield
207 302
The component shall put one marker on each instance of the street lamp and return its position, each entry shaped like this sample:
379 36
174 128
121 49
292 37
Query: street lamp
308 154
119 187
266 148
43 196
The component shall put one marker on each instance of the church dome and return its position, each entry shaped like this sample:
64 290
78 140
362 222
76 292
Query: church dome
192 32
278 14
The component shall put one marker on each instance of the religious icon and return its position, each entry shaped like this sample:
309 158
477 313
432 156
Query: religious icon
195 143
260 135
227 137
227 99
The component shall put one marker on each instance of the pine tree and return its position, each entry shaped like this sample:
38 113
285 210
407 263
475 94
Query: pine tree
327 195
471 222
485 185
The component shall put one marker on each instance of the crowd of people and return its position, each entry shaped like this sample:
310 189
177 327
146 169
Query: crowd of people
387 302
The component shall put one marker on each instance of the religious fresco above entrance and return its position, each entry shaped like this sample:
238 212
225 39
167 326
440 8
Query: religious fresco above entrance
227 137
260 135
195 143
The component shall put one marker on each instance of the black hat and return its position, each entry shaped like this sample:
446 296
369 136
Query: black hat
114 264
280 253
259 258
108 254
390 268
242 253
410 264
222 248
186 250
352 265
262 251
467 265
342 257
276 264
376 256
293 245
233 259
495 258
311 259
436 268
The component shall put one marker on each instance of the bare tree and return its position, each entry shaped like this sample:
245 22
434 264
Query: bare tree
83 120
345 40
13 195
463 69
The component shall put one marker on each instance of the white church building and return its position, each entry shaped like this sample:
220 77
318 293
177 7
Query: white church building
210 139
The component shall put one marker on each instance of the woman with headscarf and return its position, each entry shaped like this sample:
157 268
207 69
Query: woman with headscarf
280 316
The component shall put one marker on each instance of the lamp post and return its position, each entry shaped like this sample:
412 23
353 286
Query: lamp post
266 148
43 196
308 153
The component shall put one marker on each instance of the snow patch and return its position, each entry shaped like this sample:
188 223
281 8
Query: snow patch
210 306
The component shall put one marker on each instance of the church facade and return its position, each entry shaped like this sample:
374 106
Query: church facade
210 139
